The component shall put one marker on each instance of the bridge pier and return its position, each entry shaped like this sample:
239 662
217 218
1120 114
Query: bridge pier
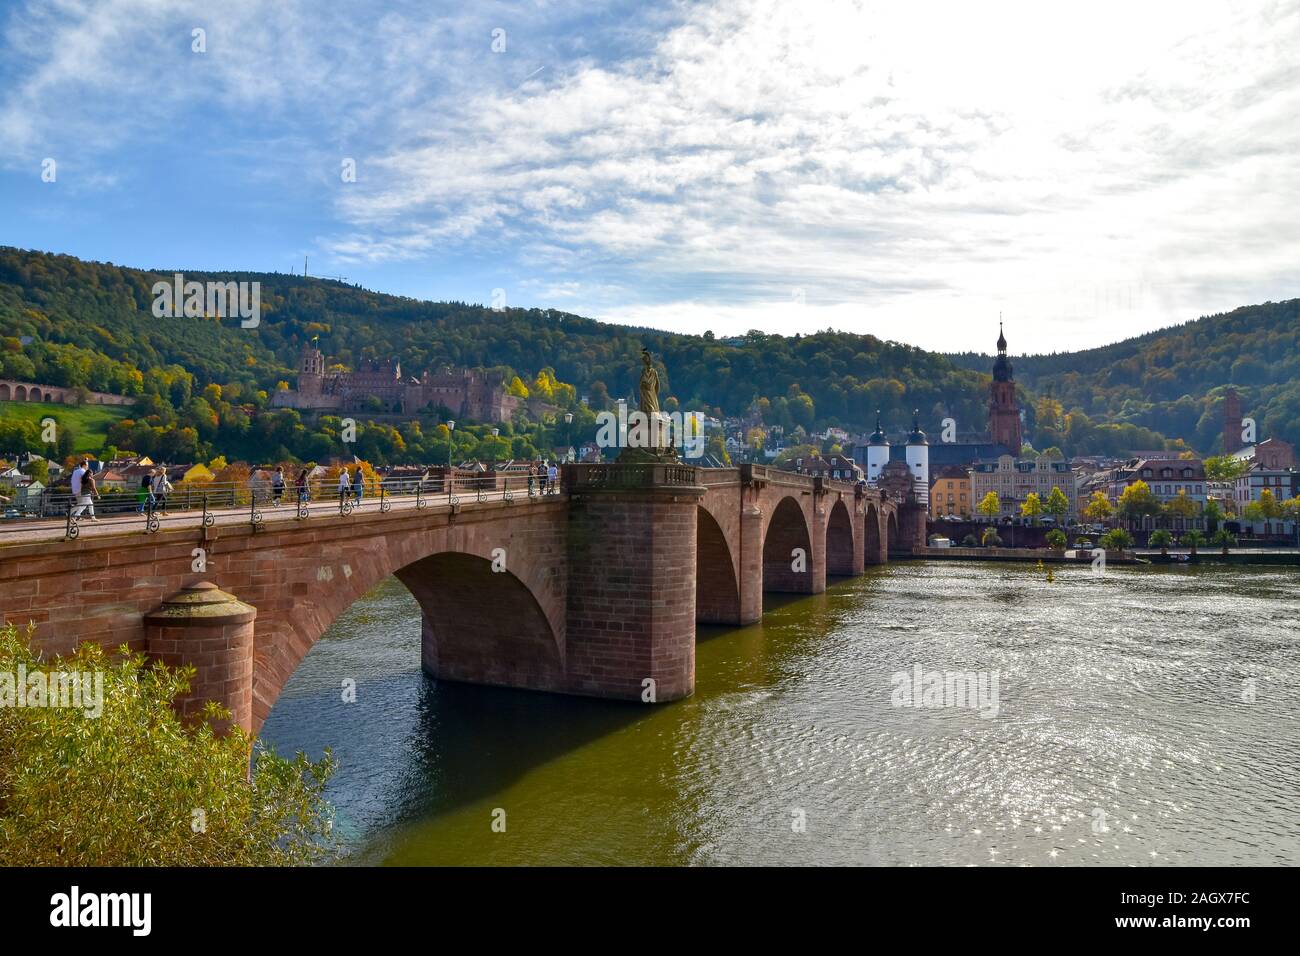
630 632
211 630
817 557
912 527
751 565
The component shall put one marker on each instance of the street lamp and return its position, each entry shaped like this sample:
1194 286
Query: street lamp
568 430
451 427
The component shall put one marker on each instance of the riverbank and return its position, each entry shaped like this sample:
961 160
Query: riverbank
1244 556
1046 555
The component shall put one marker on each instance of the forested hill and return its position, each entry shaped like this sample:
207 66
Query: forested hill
105 312
1172 380
65 321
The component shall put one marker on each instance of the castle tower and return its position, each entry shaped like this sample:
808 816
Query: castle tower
311 371
1004 410
877 452
1232 436
918 460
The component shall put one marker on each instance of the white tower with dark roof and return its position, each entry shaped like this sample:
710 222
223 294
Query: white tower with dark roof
918 459
877 452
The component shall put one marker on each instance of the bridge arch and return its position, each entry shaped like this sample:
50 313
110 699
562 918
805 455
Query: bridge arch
493 626
481 625
33 394
892 538
840 547
787 549
873 553
20 393
717 591
4 392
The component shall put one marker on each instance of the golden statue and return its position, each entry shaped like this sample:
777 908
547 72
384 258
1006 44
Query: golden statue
649 386
660 450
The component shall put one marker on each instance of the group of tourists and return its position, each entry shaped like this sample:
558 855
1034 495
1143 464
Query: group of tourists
543 474
83 489
151 497
155 486
353 486
278 484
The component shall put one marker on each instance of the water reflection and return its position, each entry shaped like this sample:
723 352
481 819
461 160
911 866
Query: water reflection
1123 735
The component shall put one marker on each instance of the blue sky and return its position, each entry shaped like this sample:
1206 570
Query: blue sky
741 164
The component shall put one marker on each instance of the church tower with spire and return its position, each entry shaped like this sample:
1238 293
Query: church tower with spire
1004 410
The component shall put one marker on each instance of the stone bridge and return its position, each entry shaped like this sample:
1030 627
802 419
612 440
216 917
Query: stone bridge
595 591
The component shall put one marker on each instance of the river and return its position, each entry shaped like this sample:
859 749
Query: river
1149 716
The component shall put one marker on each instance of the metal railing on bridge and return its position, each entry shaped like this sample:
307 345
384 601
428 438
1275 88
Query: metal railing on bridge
254 500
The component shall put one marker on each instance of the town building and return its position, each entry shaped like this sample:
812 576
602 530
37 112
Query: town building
1088 482
1168 479
950 493
1014 479
1282 484
1271 453
836 467
1279 482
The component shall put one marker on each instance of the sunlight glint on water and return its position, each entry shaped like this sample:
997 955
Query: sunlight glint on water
1121 695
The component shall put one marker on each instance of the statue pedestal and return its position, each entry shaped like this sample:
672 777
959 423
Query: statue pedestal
631 590
647 438
647 456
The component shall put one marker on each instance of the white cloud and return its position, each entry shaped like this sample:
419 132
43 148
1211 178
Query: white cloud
915 169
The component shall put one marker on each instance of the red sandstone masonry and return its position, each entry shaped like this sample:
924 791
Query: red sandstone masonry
599 594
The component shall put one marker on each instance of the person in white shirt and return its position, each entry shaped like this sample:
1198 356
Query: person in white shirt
553 478
83 486
161 487
345 486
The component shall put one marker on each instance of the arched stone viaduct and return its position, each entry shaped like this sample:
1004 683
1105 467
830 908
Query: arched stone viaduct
56 394
595 591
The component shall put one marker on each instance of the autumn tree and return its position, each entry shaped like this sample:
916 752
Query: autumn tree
990 505
1057 504
1138 500
1098 508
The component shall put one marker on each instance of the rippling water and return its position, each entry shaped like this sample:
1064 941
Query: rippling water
1124 733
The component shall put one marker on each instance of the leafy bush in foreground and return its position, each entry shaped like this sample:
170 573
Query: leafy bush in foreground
134 786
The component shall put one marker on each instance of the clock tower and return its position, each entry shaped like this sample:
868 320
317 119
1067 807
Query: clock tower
1004 410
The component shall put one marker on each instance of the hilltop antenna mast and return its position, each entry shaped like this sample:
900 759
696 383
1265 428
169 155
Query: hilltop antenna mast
304 267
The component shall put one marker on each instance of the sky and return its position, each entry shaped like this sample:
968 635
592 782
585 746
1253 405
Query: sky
911 170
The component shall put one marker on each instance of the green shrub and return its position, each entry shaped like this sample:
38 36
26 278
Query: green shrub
1116 539
1056 538
1224 539
134 786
